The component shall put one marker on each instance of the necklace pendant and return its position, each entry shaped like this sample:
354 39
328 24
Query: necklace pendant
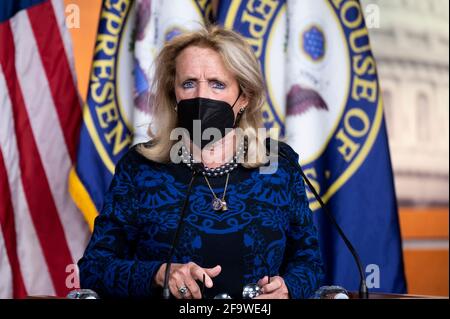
217 204
224 206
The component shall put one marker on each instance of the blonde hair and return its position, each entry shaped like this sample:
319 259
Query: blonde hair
238 57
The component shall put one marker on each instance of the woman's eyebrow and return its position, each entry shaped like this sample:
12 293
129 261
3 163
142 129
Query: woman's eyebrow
186 77
190 78
217 79
193 78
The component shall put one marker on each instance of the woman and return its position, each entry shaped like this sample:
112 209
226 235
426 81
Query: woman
239 225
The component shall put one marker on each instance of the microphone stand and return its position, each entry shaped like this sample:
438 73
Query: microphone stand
363 291
166 291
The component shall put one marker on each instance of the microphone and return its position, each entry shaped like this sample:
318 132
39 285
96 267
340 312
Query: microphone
166 291
363 291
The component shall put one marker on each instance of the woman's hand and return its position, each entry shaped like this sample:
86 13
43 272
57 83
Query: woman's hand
185 275
276 289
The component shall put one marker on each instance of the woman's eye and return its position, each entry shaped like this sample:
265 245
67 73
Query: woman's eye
217 85
188 84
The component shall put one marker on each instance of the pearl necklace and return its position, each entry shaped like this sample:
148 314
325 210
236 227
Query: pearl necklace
226 168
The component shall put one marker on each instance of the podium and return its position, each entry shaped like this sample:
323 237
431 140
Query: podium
352 295
377 295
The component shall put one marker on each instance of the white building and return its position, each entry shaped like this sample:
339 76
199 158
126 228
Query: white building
411 45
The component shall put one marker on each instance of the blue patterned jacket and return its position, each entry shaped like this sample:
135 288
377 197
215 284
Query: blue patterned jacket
267 230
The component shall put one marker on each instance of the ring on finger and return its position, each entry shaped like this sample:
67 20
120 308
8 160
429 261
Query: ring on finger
183 290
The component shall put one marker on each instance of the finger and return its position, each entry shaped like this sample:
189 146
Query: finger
174 289
197 273
275 284
213 272
263 281
187 294
194 289
267 296
179 282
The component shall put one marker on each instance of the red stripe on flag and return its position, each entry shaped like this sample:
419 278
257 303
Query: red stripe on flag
9 232
37 190
59 75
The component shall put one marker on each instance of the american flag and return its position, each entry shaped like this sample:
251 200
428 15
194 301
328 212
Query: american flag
42 233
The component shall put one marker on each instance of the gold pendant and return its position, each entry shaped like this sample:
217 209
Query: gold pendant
224 206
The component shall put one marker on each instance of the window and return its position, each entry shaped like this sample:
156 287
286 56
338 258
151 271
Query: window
423 117
388 112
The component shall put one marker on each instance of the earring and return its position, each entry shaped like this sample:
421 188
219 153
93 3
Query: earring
239 115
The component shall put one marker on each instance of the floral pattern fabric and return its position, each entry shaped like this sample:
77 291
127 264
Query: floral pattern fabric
267 229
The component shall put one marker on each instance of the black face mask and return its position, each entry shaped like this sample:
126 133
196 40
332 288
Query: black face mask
211 113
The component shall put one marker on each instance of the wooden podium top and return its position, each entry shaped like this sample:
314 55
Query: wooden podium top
352 295
375 295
